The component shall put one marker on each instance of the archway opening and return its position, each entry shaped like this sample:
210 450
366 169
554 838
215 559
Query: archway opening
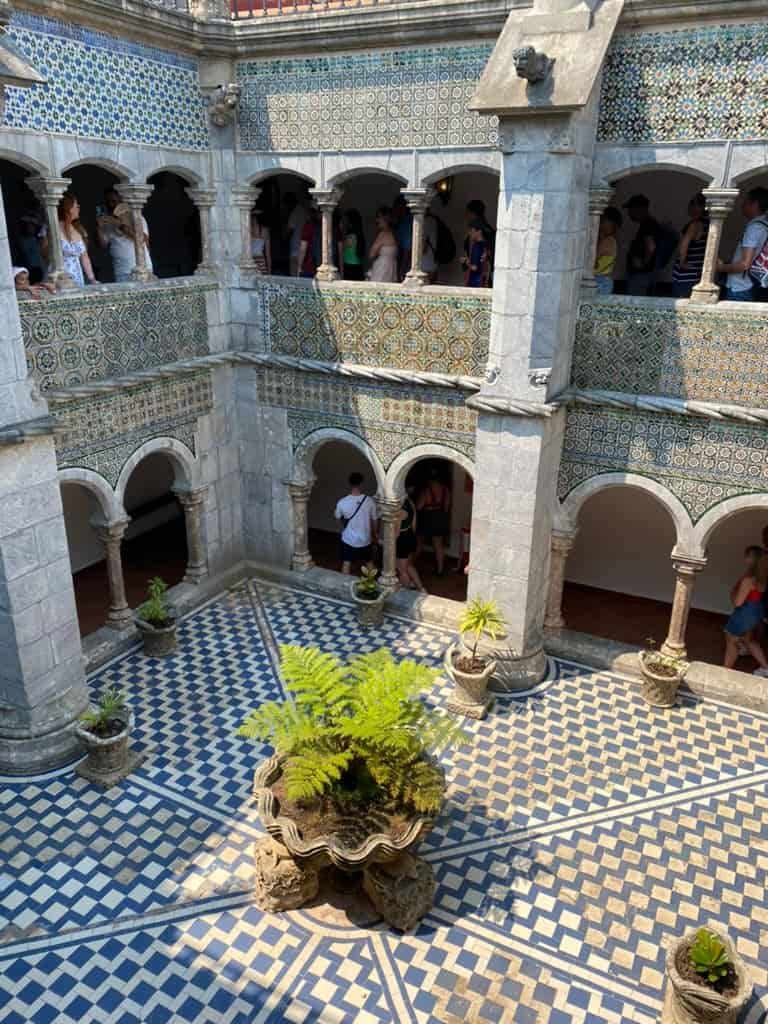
90 185
733 228
461 199
668 193
25 220
173 221
86 556
155 543
333 464
279 217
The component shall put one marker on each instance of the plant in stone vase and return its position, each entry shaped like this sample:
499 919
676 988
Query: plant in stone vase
480 617
708 981
156 620
662 675
103 730
367 586
470 671
108 717
369 597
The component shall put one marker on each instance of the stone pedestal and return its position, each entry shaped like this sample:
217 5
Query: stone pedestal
302 559
401 890
720 202
327 201
136 197
418 200
280 883
192 502
686 570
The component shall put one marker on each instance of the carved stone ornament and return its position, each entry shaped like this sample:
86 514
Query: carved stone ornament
281 883
539 378
531 65
401 890
224 104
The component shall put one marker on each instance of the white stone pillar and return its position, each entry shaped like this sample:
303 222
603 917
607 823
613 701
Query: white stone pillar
302 559
327 201
686 570
599 201
245 197
204 199
720 202
111 535
49 191
390 529
560 547
418 200
192 502
136 197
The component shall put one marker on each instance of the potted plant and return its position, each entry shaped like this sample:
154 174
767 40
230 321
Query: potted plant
369 598
707 980
353 782
156 621
103 730
662 675
469 670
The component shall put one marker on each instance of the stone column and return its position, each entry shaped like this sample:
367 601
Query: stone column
599 201
192 502
136 197
686 570
111 536
49 191
390 528
327 201
560 547
720 202
418 200
204 199
302 559
245 197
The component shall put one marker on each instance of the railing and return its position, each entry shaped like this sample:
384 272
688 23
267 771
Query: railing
267 8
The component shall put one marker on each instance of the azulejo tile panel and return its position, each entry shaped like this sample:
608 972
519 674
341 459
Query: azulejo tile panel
77 338
711 356
700 461
103 431
386 99
144 94
706 84
439 333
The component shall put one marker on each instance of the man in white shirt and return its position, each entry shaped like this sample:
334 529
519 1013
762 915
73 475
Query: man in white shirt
357 511
115 232
741 286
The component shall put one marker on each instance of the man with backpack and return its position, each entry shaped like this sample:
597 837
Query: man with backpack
650 250
748 270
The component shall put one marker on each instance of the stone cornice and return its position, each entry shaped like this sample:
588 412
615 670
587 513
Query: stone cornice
649 14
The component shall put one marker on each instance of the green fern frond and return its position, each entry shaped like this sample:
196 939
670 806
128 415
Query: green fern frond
314 772
317 680
285 726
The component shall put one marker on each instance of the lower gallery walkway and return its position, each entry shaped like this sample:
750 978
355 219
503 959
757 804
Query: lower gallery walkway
582 831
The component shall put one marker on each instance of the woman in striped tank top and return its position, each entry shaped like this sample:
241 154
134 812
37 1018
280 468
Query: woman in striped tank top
690 258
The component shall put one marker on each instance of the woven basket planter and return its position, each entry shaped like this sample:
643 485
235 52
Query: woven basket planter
657 690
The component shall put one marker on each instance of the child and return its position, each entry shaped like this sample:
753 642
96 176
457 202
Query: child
747 598
476 266
22 285
607 249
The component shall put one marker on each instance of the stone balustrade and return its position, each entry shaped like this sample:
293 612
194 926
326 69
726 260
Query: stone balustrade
432 329
105 331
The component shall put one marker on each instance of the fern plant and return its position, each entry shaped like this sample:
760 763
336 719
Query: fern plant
155 609
481 617
710 957
356 731
110 706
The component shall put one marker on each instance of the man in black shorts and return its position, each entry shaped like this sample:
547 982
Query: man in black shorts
357 511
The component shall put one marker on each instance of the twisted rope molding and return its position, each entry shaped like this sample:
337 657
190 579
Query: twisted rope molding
513 406
674 406
21 432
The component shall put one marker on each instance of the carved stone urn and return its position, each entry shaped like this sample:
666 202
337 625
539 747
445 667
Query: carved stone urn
690 1001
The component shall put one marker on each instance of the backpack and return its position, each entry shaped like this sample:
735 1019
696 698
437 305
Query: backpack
445 247
759 268
666 245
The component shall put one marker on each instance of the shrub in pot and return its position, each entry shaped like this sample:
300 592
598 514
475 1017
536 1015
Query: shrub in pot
369 597
103 730
468 670
662 675
707 980
156 621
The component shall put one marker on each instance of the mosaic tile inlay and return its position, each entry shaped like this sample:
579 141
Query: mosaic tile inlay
708 84
701 461
80 337
104 87
581 833
707 356
386 99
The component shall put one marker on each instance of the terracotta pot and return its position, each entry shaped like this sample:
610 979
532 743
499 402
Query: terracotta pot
689 1002
370 613
348 851
158 642
106 756
659 691
470 689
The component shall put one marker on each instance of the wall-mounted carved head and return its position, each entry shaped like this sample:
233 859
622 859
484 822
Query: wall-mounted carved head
224 104
530 64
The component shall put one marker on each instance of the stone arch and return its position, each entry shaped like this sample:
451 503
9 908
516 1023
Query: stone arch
745 177
191 177
338 180
123 174
614 177
185 466
109 503
22 160
451 170
275 169
398 470
716 516
313 442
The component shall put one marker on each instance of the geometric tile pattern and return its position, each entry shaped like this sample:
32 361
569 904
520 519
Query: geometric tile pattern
382 99
102 431
79 337
438 333
691 85
582 831
712 356
145 94
701 461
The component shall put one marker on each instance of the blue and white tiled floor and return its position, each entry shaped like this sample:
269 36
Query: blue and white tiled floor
582 831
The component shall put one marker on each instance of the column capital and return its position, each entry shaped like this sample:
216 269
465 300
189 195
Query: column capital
326 198
599 200
687 565
562 541
191 496
111 533
300 490
202 197
418 199
720 201
244 197
389 508
48 190
135 195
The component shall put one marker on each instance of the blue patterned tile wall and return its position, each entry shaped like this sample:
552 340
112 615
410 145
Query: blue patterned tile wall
708 84
104 87
381 100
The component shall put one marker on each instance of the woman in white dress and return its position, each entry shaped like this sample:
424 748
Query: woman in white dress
261 250
74 237
383 252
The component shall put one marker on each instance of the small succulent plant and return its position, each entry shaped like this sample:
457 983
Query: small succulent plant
367 585
710 957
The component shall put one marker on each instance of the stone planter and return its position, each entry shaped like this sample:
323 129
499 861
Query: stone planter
370 612
109 759
470 690
657 690
688 1002
159 642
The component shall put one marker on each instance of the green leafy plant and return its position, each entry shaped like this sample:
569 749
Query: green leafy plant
357 730
156 610
481 617
367 585
110 707
710 956
654 659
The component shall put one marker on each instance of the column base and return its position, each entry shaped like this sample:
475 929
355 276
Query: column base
416 279
589 286
326 273
143 276
120 620
302 563
708 294
47 742
514 671
671 650
556 622
61 280
195 574
205 270
390 582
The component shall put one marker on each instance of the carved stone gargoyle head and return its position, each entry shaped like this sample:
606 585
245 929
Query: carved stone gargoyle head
224 104
530 64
